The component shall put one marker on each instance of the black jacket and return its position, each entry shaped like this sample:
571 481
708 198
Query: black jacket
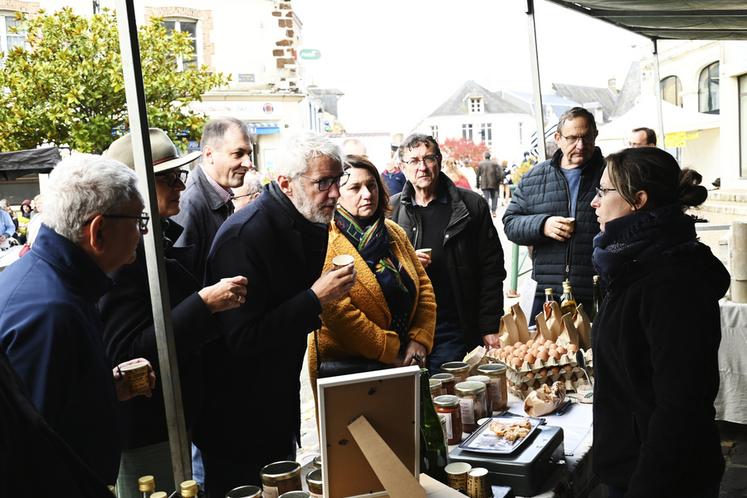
475 255
252 404
543 192
489 175
129 333
655 344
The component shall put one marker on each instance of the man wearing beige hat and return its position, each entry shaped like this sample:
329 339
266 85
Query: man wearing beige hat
128 321
206 203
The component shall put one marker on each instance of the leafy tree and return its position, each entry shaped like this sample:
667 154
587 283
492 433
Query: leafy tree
65 87
464 150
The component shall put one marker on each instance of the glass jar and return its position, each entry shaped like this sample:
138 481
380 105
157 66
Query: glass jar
459 369
471 403
280 477
436 388
498 385
314 483
245 492
485 380
296 494
317 463
447 381
447 407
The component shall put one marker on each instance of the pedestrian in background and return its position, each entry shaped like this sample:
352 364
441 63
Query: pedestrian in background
489 178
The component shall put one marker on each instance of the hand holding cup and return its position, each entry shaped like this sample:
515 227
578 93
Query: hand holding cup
134 378
559 228
424 255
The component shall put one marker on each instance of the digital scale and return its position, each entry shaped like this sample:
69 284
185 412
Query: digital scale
525 470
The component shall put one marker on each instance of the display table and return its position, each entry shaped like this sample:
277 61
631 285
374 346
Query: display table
731 400
573 478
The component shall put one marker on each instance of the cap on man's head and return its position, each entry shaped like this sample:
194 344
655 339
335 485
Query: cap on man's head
164 152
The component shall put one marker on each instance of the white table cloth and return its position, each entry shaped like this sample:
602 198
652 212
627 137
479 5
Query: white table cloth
731 401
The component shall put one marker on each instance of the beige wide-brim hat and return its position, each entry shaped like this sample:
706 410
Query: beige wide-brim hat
164 152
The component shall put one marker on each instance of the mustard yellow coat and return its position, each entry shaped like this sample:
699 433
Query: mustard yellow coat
356 324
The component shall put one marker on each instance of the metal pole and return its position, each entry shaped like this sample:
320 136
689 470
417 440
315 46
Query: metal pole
539 114
512 292
159 294
657 90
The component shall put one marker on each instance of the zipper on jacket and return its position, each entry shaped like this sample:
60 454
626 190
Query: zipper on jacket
570 240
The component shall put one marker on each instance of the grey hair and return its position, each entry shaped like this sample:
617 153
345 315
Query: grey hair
297 150
215 129
82 186
252 184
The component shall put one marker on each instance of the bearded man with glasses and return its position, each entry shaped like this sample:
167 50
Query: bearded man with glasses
455 240
279 242
550 210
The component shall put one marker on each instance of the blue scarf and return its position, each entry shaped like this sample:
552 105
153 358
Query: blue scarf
372 243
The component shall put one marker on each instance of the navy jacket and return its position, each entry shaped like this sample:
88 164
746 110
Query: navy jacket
252 406
129 333
201 213
543 192
475 256
51 331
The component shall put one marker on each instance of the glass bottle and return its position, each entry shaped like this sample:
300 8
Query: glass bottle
146 485
549 296
597 296
432 445
567 301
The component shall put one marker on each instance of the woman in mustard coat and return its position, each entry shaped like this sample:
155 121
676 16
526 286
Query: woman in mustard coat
390 313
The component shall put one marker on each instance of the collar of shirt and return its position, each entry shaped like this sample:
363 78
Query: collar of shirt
224 193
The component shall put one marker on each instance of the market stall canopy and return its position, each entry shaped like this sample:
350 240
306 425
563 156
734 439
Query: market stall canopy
26 162
643 113
670 19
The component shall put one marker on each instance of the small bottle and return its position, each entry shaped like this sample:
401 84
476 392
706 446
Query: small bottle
189 489
549 296
597 296
432 445
567 301
146 485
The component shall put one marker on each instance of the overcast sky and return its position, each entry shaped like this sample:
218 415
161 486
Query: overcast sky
397 60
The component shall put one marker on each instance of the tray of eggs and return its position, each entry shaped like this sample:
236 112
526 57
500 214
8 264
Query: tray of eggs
538 362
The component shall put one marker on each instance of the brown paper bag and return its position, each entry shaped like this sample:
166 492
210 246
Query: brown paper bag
542 329
569 335
554 319
508 324
520 320
583 326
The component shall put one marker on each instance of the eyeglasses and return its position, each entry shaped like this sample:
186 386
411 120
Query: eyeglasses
601 192
324 184
142 220
171 177
586 139
430 160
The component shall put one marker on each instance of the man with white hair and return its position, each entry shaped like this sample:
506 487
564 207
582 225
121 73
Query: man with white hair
50 328
279 243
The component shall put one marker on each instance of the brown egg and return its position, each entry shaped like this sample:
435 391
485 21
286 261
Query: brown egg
562 350
529 357
530 375
572 348
543 355
518 344
516 363
530 343
534 350
541 349
542 373
554 354
548 343
509 349
555 370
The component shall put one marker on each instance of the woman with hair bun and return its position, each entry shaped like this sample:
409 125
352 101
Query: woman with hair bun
657 334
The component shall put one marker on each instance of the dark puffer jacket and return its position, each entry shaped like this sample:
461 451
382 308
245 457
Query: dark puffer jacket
476 270
543 192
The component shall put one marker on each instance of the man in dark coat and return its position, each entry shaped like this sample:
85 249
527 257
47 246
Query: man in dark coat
49 325
278 242
465 264
206 203
551 211
489 179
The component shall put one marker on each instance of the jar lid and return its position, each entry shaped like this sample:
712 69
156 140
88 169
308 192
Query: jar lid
470 387
279 470
492 368
295 494
245 492
189 488
317 461
455 366
444 377
315 477
479 378
446 400
146 484
435 383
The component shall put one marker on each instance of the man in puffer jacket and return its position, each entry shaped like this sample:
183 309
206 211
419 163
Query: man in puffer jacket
551 212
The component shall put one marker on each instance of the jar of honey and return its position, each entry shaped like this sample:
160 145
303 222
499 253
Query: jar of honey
498 386
459 369
447 381
447 407
471 403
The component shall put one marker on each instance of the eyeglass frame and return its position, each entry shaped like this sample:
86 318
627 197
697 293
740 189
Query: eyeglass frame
433 158
587 139
333 180
601 192
181 175
142 224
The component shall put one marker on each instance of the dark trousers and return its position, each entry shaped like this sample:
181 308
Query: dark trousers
491 195
448 345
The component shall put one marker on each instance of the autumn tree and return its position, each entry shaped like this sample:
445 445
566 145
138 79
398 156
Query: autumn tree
65 86
464 150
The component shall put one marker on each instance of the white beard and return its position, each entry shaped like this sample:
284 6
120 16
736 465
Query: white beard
307 208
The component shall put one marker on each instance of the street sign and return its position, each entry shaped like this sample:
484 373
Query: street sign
310 54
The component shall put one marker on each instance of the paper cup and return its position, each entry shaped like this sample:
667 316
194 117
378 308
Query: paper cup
477 483
136 376
342 260
456 474
572 222
425 250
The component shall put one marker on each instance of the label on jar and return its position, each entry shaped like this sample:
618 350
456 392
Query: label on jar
467 407
495 395
446 417
269 491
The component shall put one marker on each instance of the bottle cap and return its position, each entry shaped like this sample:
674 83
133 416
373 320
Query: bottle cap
189 489
548 291
159 494
146 484
595 278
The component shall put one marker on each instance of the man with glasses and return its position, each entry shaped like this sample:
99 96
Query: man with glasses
279 243
465 262
206 203
50 328
550 210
